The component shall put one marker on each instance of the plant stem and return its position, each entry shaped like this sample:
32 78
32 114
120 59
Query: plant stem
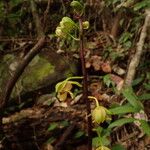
85 86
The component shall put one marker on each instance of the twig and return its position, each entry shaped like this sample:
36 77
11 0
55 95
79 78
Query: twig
22 39
46 14
136 58
25 61
64 137
36 19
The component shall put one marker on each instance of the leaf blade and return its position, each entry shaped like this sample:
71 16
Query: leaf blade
127 108
132 98
121 122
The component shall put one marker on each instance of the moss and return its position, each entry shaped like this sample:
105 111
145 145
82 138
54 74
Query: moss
35 73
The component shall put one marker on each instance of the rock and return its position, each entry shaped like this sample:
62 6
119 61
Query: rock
44 70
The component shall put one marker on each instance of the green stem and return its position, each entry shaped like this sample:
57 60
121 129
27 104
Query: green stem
85 85
96 101
76 39
74 77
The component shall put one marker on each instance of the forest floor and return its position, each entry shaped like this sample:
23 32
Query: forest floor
38 119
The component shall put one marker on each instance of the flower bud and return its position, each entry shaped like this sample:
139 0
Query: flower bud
67 23
59 32
85 25
77 6
99 114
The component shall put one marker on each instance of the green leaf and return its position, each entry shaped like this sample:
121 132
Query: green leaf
148 75
127 44
15 2
121 122
98 130
118 147
2 12
127 108
105 141
64 123
79 134
50 140
96 141
132 98
52 126
145 126
146 86
125 37
107 80
144 96
142 5
137 81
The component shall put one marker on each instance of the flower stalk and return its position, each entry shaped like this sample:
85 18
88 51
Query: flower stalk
85 84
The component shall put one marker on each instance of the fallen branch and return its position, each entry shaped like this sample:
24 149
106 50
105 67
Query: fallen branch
19 70
19 127
136 58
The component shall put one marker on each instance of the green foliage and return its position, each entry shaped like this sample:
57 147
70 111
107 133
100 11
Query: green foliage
121 122
132 98
127 108
133 104
107 80
144 96
130 4
51 140
64 123
118 147
1 10
11 13
52 126
79 134
55 125
138 80
14 3
102 137
125 39
142 5
146 86
145 126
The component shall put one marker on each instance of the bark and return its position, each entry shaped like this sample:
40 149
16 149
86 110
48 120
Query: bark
139 50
